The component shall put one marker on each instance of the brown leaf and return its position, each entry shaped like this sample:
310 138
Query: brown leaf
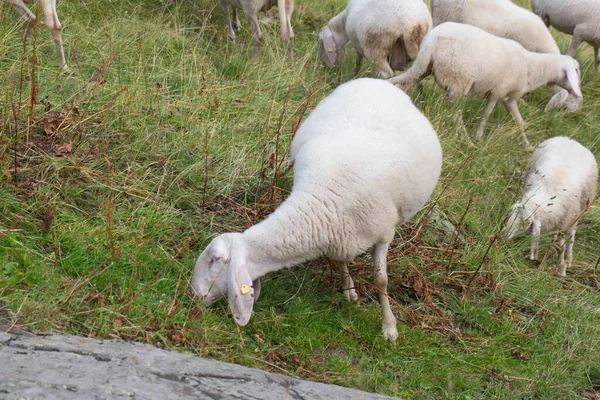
52 120
117 323
46 217
64 149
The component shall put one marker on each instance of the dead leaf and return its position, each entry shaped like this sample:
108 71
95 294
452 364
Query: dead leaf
64 149
117 323
52 120
46 218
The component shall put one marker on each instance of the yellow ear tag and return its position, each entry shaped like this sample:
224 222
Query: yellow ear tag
245 289
330 49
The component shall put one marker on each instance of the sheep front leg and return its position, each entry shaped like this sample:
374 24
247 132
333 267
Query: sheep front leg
513 109
486 114
562 266
536 230
347 282
563 271
384 68
597 55
390 332
225 8
575 42
52 22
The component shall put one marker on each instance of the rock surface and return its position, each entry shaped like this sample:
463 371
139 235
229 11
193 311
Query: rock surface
71 367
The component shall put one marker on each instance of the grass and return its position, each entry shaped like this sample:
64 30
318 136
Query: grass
163 135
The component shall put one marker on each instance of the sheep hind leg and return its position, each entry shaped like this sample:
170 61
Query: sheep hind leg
225 8
289 9
597 55
52 22
359 59
256 34
24 12
347 282
513 109
486 114
390 331
237 26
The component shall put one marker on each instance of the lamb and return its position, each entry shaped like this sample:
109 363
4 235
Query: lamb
560 184
365 161
578 18
467 60
251 9
387 32
504 19
51 20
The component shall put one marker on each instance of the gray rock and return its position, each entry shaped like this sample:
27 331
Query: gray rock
71 367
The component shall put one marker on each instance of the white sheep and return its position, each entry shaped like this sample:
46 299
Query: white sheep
51 20
468 61
504 19
559 185
251 9
365 161
387 32
578 18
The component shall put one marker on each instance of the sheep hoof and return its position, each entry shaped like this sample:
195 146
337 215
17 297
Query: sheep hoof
391 334
351 295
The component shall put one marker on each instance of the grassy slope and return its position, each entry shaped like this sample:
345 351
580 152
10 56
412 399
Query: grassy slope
176 138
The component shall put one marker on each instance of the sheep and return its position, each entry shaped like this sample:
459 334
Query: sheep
467 60
387 32
559 185
578 18
251 9
51 20
504 19
365 161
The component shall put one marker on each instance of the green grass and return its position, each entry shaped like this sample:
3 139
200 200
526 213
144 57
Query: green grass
176 138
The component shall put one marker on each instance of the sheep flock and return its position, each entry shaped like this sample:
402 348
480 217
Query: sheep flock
367 159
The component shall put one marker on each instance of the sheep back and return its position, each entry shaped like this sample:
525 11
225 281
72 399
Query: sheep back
370 158
561 179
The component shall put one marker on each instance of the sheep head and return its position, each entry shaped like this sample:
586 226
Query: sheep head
221 270
331 47
519 221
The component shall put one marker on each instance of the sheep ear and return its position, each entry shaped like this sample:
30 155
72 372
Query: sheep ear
328 47
240 291
256 287
573 79
557 100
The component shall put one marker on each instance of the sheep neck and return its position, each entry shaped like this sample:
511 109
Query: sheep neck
291 235
542 69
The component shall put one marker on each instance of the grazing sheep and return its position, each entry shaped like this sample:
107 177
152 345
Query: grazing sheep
468 61
387 32
251 9
579 18
560 184
365 161
51 20
505 19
